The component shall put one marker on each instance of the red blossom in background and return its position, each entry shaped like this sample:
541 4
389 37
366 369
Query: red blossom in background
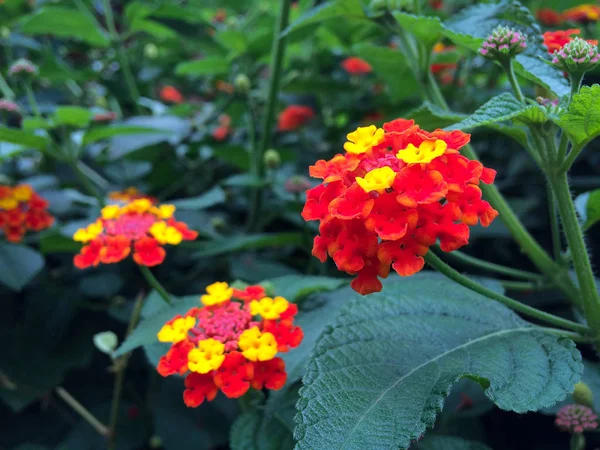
222 131
170 94
582 13
356 66
549 17
555 40
22 210
293 117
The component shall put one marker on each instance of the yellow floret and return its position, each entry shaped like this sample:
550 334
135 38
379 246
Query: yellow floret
207 357
165 234
217 293
22 192
257 346
377 179
363 139
177 330
88 233
427 151
8 203
269 308
110 211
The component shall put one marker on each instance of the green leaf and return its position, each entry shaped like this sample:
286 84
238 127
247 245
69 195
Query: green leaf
588 207
449 443
390 65
591 377
297 287
501 108
210 198
244 180
268 428
336 9
98 133
427 29
246 242
407 346
145 332
64 22
73 116
53 241
582 120
212 65
18 265
154 29
430 116
232 40
23 138
510 13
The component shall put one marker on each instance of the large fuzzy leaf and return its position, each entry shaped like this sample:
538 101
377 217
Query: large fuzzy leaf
582 120
379 376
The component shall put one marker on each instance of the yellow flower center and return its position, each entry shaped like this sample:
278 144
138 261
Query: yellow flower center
377 179
177 330
363 139
427 151
217 293
165 234
207 357
269 308
257 346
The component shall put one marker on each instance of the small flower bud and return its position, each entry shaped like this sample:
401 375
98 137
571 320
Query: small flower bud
583 395
503 43
297 184
242 83
4 32
577 56
151 51
8 105
155 442
272 158
23 68
218 223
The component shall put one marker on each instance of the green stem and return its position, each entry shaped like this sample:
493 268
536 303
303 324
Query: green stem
556 244
562 146
492 267
510 73
581 260
569 334
85 181
521 285
577 442
82 411
6 90
123 61
32 101
154 283
452 274
257 168
121 365
571 157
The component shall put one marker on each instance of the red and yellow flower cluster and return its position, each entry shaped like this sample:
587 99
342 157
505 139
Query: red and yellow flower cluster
128 195
393 194
555 40
579 14
139 224
22 209
230 343
293 117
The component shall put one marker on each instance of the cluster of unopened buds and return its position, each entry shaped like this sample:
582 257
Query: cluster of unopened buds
140 224
576 56
230 343
393 194
23 68
503 43
22 209
576 419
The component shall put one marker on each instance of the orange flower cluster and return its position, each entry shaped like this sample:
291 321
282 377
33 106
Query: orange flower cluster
139 224
555 40
22 209
170 94
293 117
579 14
230 345
356 66
128 195
393 194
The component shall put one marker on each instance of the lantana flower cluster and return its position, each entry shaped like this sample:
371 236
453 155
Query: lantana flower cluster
556 40
22 209
230 343
395 192
576 418
139 225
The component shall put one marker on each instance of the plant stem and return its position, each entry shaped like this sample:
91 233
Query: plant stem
510 73
123 61
257 167
32 102
569 334
521 285
5 89
154 283
492 267
82 411
556 244
85 181
121 365
577 442
452 274
562 147
581 260
571 157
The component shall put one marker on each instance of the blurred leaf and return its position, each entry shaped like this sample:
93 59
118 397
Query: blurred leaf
430 116
386 355
336 9
254 269
588 207
246 242
104 132
438 442
106 342
244 180
232 40
154 29
315 85
297 287
212 197
390 65
427 29
212 65
582 120
18 265
23 138
53 241
73 116
64 22
101 285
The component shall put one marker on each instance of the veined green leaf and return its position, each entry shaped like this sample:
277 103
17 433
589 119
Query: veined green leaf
582 120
